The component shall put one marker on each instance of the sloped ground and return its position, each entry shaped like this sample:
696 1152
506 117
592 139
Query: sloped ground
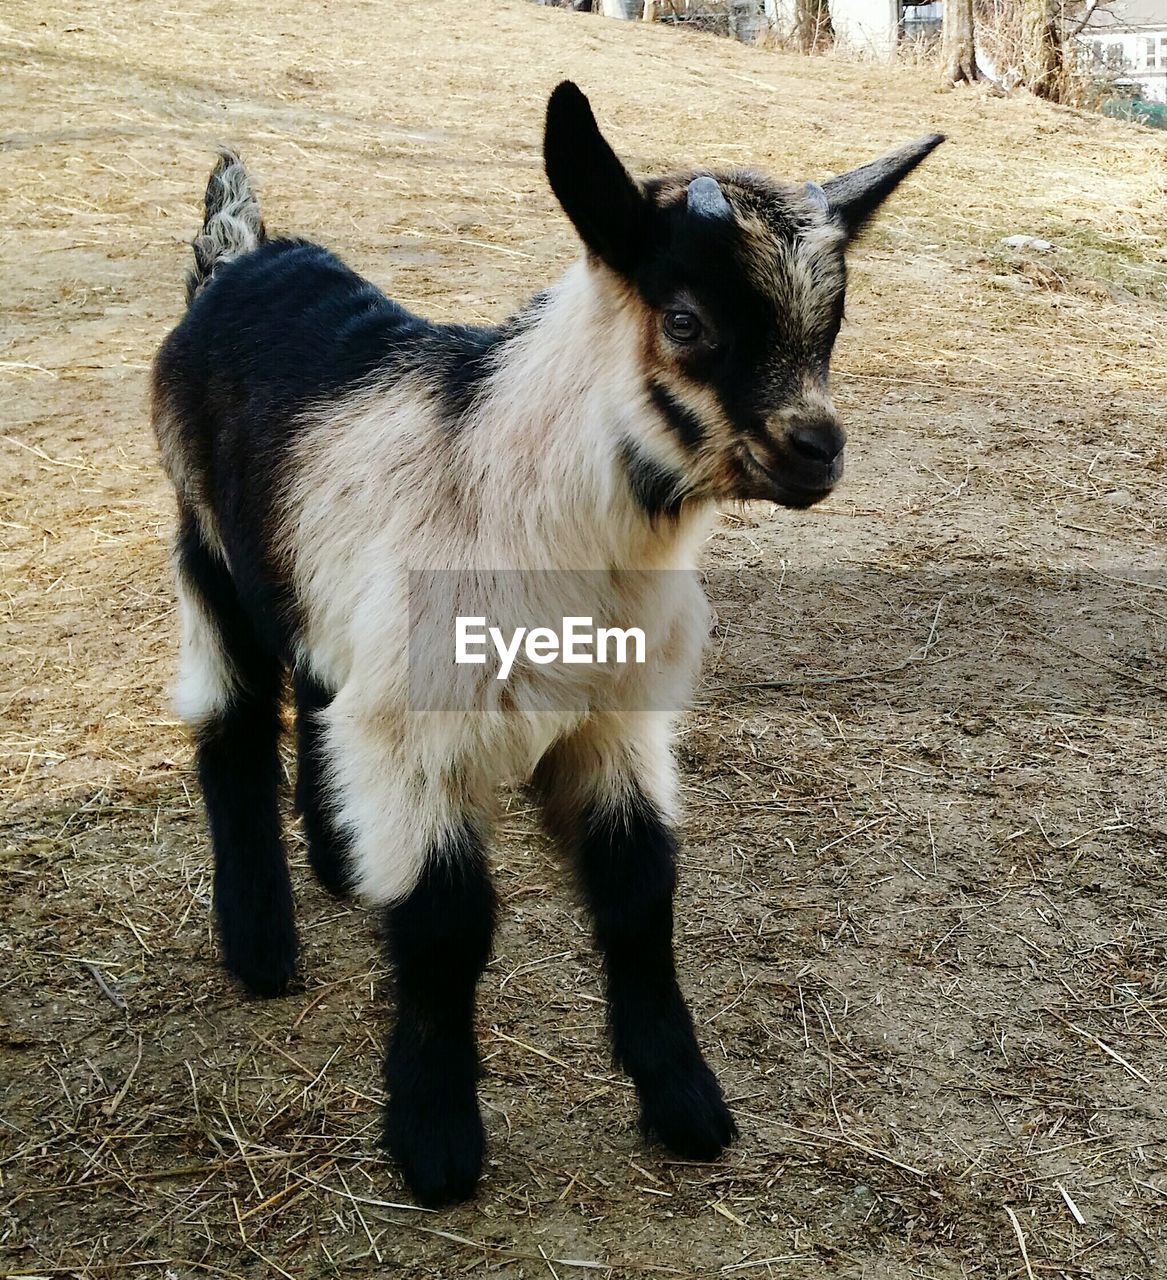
922 919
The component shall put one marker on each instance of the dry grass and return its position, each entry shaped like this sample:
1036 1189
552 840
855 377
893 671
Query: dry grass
922 919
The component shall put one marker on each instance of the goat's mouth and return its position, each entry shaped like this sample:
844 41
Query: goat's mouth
796 485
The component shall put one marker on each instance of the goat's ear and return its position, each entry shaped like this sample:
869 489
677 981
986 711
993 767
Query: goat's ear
854 196
609 210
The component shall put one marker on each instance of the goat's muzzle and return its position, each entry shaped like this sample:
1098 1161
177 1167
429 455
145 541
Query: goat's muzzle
799 464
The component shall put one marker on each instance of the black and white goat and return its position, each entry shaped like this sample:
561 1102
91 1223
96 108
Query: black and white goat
324 442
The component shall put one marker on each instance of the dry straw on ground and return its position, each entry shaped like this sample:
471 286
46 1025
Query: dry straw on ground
922 916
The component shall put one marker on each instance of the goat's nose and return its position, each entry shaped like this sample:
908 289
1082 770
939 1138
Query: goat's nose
819 442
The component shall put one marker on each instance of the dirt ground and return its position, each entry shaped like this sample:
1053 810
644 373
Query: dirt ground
922 920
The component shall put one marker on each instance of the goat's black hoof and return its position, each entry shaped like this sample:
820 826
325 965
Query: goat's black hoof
263 957
687 1113
438 1146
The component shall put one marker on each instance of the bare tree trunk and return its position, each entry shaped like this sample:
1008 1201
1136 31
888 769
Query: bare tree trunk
959 43
1042 44
812 25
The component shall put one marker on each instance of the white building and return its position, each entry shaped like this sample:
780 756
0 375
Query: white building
1129 37
869 27
872 28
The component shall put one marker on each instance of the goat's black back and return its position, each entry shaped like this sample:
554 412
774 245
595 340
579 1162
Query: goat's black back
277 332
293 324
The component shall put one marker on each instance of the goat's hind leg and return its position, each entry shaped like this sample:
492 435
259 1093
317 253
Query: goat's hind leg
228 691
328 844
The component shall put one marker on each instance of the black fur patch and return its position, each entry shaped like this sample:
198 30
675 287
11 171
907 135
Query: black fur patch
272 334
626 863
596 191
685 425
328 846
239 771
459 366
659 492
438 942
756 344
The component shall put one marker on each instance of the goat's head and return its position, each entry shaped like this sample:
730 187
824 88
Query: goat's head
735 288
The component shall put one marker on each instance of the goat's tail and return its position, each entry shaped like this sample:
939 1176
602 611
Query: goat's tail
232 223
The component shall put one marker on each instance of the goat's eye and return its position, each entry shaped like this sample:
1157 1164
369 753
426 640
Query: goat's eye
682 326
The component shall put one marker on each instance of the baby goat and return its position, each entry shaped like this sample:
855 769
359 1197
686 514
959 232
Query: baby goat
324 443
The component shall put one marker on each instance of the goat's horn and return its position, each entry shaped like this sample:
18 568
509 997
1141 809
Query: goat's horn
818 197
706 199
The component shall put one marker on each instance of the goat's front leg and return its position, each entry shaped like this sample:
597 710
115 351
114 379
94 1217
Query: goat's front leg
417 849
438 942
605 793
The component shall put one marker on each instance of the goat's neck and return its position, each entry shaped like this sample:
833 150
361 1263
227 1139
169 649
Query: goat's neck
568 393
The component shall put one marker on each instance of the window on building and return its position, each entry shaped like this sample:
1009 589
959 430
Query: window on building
1149 52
